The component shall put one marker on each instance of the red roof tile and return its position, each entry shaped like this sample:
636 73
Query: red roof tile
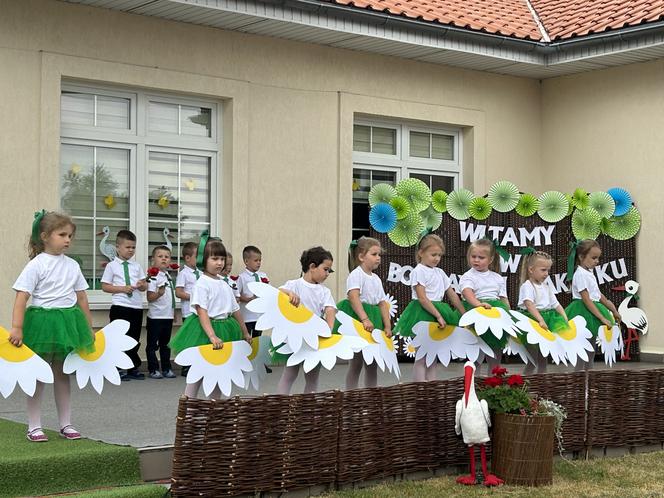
561 19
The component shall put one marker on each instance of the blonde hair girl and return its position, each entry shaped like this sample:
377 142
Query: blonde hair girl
58 319
587 300
366 302
429 284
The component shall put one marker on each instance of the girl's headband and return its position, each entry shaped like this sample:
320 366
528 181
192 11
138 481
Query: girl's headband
39 215
571 258
205 238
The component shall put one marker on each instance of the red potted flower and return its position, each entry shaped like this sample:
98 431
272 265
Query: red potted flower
152 272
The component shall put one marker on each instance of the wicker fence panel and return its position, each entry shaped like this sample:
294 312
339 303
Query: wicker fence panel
625 407
448 448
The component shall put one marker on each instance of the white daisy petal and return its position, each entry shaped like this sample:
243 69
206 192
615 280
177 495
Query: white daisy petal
20 365
609 340
218 367
259 358
443 344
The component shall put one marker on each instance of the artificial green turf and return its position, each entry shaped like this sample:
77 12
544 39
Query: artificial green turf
60 465
140 491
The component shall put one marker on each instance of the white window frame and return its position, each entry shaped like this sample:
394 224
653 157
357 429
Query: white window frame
141 143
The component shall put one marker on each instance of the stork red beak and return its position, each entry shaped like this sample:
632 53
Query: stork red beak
618 288
100 233
467 382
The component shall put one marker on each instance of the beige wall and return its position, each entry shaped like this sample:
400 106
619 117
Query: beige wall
287 120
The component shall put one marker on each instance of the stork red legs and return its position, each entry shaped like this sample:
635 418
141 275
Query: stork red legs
489 479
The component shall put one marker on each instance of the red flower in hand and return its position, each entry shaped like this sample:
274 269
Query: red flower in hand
174 266
265 280
515 380
499 371
234 277
493 381
153 271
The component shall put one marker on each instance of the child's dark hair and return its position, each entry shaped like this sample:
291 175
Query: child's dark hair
427 241
316 256
529 260
48 223
249 250
494 264
583 249
214 247
189 249
359 248
125 235
160 248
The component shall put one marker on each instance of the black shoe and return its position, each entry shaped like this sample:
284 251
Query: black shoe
135 374
124 377
184 371
268 369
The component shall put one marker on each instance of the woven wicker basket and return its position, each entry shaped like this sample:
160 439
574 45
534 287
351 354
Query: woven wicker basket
523 449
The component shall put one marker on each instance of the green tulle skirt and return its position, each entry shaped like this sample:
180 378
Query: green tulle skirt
491 340
577 308
415 313
56 332
554 320
191 333
372 311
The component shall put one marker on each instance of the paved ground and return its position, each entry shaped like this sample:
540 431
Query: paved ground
142 413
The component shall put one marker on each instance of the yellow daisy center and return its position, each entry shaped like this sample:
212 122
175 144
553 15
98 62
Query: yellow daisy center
328 342
362 332
254 348
438 334
542 331
489 313
388 341
298 314
608 333
570 333
410 348
100 347
216 356
9 352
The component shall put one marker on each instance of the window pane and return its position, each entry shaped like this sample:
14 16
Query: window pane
163 118
383 177
195 189
384 141
163 233
419 144
77 179
112 179
362 138
442 147
445 183
113 112
77 108
361 183
196 121
163 185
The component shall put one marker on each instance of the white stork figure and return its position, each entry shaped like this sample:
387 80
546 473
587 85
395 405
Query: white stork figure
473 422
167 239
634 318
106 248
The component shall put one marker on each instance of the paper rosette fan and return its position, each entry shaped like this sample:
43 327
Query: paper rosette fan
383 217
416 192
431 218
503 196
527 205
439 201
626 226
407 231
622 199
580 199
458 202
586 224
381 192
553 206
479 208
401 206
603 203
570 204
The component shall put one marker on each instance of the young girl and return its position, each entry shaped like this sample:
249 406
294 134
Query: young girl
539 302
429 284
587 300
310 291
58 320
366 302
216 315
483 285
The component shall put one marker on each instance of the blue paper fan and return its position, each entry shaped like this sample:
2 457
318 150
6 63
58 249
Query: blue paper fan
383 217
622 199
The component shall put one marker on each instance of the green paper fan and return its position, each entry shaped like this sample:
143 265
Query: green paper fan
381 192
431 218
438 200
570 203
407 232
416 192
401 206
580 199
527 206
586 224
458 202
479 208
503 196
626 226
553 206
605 226
603 203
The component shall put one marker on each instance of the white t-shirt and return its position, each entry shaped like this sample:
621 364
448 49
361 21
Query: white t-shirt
187 280
233 285
114 275
315 297
541 295
434 280
243 279
485 284
370 286
585 280
52 281
215 296
162 307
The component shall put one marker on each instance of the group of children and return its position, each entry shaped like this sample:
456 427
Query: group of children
214 310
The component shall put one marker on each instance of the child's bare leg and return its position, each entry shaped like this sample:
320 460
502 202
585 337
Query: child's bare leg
34 407
431 373
62 394
420 370
311 380
370 374
354 369
287 380
495 361
585 365
191 390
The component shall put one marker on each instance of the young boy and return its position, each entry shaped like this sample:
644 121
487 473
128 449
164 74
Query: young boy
186 281
161 306
225 276
125 279
252 260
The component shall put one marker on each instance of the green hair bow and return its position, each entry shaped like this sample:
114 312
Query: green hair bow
571 259
205 238
39 215
501 252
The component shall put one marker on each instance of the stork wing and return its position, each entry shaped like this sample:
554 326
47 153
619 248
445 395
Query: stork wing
485 412
457 419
